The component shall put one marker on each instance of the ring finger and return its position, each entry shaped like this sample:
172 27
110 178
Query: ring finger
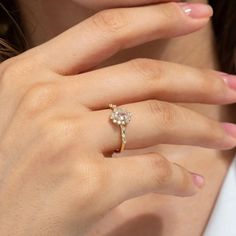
156 122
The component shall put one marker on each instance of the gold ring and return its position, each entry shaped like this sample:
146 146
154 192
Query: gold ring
120 117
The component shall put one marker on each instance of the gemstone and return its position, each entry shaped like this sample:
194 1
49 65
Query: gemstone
120 116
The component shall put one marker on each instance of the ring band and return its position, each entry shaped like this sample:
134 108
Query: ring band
120 117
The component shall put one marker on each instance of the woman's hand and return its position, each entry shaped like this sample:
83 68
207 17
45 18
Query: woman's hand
55 129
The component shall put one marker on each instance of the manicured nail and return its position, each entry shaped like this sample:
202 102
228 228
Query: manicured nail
198 180
230 80
230 129
197 10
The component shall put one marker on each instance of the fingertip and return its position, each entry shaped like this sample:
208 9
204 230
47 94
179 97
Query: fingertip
196 10
198 180
191 16
189 184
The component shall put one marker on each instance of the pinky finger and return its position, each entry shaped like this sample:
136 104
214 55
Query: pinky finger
150 173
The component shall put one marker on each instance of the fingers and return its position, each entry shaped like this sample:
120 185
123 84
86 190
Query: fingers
154 122
150 173
104 34
94 4
143 79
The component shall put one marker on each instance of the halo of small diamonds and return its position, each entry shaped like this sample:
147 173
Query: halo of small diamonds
119 115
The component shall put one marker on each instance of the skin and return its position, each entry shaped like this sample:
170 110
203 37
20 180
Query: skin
37 103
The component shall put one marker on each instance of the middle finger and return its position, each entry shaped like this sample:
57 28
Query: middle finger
144 79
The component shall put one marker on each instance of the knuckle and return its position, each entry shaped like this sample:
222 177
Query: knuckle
17 70
148 68
39 97
161 168
162 112
10 69
6 64
110 20
94 176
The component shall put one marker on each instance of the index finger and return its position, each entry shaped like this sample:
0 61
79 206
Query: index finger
106 33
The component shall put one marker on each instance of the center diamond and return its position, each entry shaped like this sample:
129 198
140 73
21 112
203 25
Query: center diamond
120 116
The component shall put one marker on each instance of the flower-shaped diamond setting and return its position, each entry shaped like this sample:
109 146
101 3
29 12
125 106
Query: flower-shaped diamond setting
119 115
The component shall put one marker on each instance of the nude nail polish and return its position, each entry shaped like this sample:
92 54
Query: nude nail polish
230 80
198 180
230 129
197 10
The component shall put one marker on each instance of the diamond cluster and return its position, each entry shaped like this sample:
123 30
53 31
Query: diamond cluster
119 115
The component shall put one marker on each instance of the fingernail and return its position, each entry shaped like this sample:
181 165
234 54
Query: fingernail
198 180
197 10
230 129
230 80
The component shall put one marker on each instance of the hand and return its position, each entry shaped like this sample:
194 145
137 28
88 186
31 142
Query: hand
55 129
